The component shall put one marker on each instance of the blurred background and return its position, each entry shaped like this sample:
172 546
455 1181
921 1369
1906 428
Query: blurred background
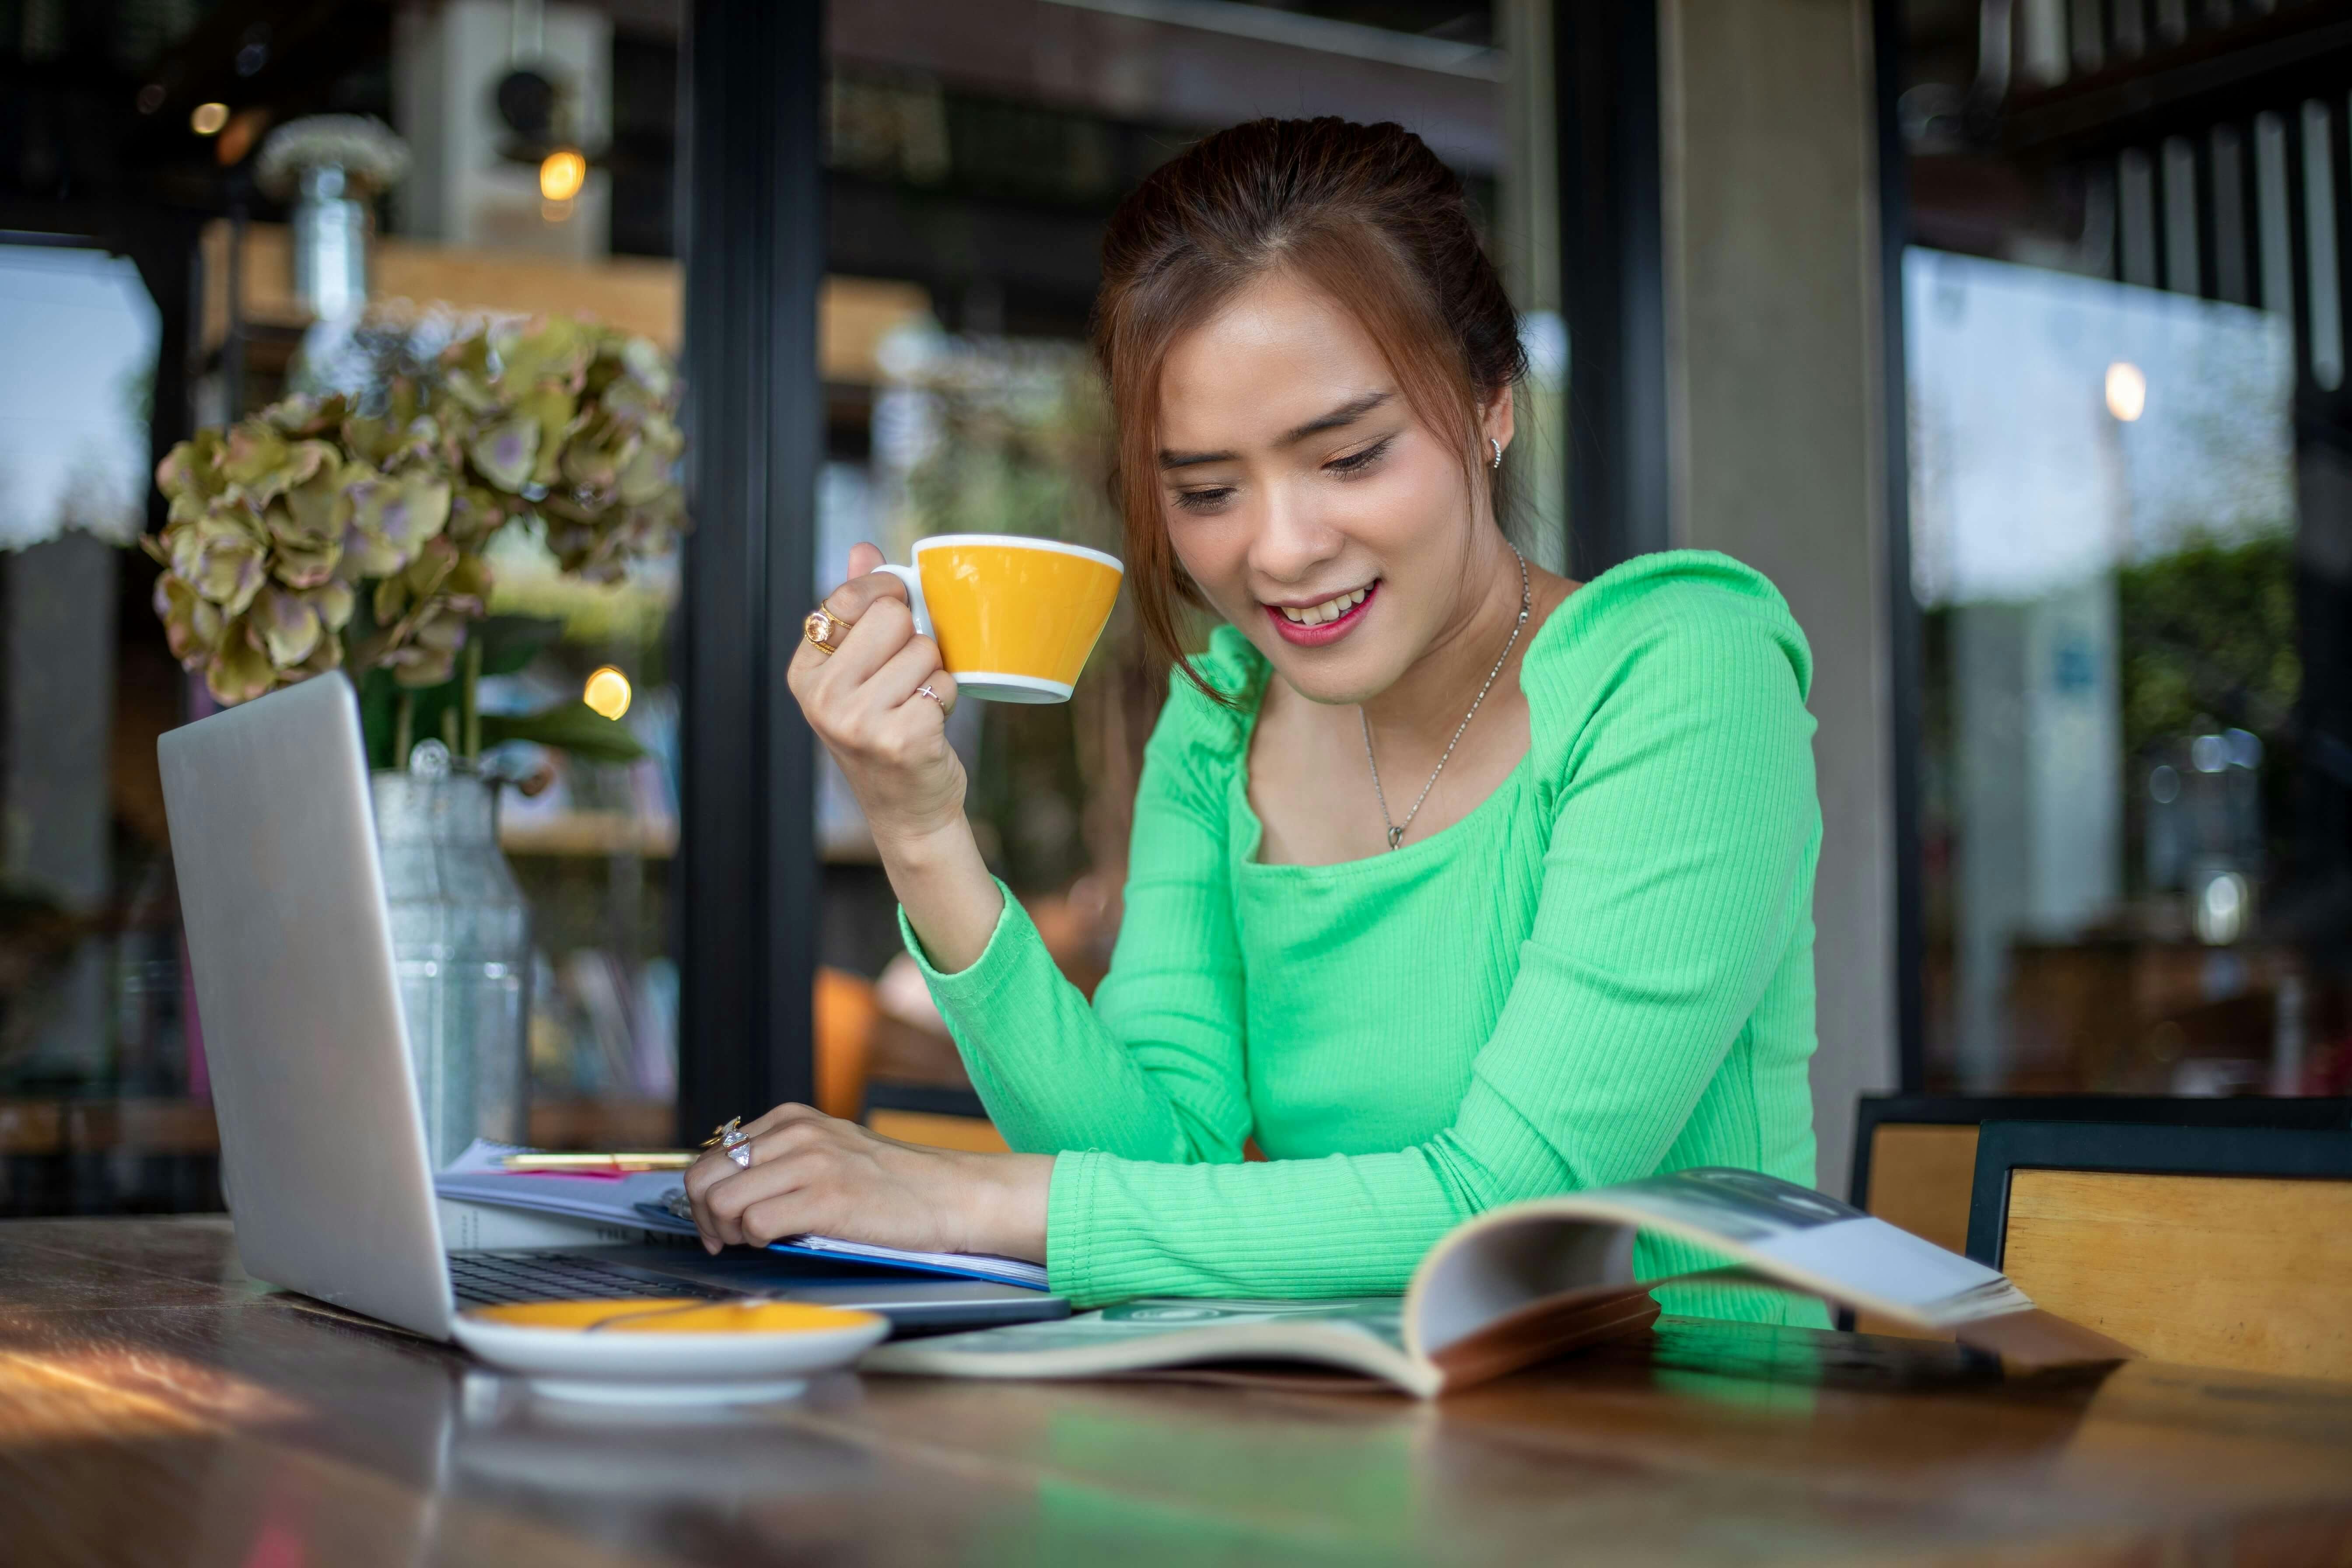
2007 336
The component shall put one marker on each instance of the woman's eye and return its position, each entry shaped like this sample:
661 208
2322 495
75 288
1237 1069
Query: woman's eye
1357 462
1204 501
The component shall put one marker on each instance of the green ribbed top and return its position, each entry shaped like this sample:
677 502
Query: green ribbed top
1604 970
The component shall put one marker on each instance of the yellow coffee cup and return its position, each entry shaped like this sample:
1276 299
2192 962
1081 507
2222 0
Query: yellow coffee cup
1014 618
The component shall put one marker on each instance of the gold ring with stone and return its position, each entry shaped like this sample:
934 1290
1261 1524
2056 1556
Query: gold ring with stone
823 629
730 1140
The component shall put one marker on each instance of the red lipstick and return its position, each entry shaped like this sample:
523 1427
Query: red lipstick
1330 632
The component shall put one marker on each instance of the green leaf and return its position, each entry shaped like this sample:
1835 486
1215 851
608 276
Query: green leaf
379 694
510 642
573 727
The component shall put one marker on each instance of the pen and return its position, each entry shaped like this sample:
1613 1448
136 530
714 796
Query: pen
663 1159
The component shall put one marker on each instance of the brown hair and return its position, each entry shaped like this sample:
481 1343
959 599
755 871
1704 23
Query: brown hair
1365 213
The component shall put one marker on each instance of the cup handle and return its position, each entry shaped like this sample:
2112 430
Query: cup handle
913 582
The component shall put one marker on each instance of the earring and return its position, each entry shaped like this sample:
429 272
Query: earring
1498 452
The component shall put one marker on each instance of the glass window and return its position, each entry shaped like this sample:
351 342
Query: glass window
177 283
2103 526
2123 344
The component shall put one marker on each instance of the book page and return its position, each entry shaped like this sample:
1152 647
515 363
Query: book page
1360 1334
1496 1270
1804 1236
1797 1237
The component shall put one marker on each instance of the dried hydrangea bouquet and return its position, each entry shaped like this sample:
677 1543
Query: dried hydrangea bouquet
351 530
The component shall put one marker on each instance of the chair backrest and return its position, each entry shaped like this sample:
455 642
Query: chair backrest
1915 1156
2222 1247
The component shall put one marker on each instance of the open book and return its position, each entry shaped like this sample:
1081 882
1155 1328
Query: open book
1534 1281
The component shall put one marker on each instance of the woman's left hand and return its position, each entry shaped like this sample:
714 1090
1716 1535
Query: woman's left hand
813 1173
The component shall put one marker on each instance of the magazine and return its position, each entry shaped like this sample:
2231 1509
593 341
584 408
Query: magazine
1534 1281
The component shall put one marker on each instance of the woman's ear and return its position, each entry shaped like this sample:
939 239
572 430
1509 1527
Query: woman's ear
1498 419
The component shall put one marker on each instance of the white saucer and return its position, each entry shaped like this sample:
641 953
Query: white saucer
769 1357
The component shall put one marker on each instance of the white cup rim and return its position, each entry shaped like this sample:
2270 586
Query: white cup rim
1019 541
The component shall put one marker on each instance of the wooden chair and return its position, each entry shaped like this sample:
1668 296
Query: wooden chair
940 1118
1915 1156
2220 1247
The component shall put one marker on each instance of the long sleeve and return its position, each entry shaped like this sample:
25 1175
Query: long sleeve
1152 1070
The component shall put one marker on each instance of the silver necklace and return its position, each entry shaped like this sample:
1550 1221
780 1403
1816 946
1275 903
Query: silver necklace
1396 829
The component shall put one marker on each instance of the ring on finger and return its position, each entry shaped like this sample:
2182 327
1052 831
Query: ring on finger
823 629
925 691
734 1143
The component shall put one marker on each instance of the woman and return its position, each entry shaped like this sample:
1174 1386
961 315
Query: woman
1454 882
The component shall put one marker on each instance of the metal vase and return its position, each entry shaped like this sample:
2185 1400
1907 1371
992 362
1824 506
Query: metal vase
331 228
461 943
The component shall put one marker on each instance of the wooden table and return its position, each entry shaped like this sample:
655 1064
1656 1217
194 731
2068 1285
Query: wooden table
158 1407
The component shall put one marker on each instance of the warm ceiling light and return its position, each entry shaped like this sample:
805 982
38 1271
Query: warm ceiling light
607 692
2127 390
207 119
562 173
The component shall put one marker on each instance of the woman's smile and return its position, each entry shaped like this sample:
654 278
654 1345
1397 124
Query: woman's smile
1325 622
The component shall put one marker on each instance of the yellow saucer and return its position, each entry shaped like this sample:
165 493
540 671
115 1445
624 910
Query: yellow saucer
669 1350
675 1315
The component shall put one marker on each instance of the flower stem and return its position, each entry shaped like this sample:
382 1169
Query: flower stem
469 699
404 729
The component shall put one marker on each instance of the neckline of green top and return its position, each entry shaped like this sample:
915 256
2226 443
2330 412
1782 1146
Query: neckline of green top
1405 855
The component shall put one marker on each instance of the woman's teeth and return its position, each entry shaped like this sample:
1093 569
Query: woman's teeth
1329 610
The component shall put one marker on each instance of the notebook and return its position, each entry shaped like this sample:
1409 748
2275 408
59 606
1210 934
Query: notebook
653 1200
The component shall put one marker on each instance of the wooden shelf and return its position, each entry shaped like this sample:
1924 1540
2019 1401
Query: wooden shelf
585 833
53 1127
106 1126
603 1124
638 294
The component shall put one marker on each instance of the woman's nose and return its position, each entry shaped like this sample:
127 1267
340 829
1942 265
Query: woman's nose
1291 540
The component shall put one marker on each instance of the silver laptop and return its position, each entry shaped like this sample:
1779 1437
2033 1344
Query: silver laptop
322 1137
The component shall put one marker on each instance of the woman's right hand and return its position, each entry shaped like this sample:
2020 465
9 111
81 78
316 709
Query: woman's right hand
865 703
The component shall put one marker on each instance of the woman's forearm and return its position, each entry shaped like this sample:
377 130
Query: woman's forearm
951 899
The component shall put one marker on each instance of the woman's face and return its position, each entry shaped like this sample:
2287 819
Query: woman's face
1306 501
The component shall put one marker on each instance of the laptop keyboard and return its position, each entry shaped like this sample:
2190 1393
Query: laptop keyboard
487 1279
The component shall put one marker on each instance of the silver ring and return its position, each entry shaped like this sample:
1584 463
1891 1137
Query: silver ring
731 1141
925 691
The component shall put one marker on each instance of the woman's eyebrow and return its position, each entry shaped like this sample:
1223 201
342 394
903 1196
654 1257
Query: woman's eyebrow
1346 414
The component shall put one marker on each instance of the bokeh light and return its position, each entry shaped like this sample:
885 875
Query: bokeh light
207 119
562 173
607 692
2127 390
